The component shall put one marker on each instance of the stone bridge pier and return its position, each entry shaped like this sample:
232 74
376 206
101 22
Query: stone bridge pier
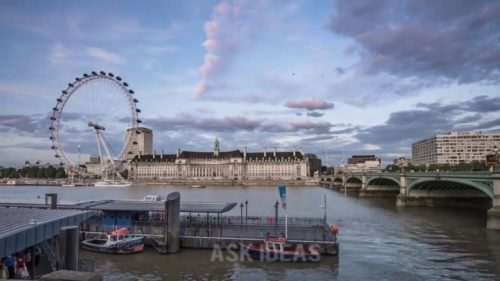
493 221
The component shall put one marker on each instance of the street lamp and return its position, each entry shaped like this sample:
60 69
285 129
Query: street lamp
241 215
246 210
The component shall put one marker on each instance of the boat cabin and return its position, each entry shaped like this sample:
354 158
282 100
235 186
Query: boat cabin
275 244
119 234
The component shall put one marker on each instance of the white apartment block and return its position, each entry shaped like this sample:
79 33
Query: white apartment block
454 148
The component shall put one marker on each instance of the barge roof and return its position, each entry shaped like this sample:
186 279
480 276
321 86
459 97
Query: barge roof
186 207
129 205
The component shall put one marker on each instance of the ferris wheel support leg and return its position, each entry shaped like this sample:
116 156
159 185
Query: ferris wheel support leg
115 170
100 152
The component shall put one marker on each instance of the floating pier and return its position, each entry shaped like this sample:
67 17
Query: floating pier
170 225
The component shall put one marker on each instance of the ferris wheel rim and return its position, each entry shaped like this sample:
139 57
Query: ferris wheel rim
70 90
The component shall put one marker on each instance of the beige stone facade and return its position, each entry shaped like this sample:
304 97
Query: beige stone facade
235 165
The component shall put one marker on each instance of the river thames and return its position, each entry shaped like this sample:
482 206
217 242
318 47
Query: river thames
378 241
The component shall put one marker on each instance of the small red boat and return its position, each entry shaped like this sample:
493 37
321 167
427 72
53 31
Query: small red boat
279 249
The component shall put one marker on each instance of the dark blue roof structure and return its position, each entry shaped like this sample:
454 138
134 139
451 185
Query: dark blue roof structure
21 228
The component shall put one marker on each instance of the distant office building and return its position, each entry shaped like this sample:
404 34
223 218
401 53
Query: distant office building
361 163
140 142
314 164
454 148
402 162
359 159
94 166
234 165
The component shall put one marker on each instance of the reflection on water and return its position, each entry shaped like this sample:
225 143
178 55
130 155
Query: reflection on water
196 265
378 241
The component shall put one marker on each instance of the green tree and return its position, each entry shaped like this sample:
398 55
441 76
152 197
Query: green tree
124 174
33 172
50 172
41 173
23 172
60 173
13 174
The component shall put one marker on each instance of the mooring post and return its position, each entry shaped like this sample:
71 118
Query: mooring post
69 240
165 226
173 214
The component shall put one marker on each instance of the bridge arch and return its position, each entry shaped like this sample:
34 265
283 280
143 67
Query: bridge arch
467 187
382 180
338 180
354 179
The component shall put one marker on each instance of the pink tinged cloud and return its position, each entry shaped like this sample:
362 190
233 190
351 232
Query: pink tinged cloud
309 104
231 24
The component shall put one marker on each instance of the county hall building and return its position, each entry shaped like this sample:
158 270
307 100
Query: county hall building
235 165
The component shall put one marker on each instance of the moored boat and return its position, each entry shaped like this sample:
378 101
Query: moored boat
279 249
116 242
197 186
152 198
112 183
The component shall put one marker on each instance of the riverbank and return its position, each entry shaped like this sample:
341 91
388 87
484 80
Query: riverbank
226 182
173 182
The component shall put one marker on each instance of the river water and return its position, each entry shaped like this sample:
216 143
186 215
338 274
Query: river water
378 241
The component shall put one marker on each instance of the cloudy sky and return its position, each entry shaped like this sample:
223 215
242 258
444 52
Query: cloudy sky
358 76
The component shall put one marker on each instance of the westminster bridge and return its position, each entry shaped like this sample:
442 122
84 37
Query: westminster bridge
446 189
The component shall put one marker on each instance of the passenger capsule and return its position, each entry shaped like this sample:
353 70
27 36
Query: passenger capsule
78 79
55 109
103 73
125 84
51 128
137 110
52 118
65 92
118 78
139 121
85 75
70 85
59 100
94 73
131 92
135 100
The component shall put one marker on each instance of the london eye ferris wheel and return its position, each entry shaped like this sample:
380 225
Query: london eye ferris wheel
91 117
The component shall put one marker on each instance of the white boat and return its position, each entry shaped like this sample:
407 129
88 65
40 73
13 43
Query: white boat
117 242
11 182
112 183
152 198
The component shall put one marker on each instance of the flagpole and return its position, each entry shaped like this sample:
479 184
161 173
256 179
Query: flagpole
286 225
